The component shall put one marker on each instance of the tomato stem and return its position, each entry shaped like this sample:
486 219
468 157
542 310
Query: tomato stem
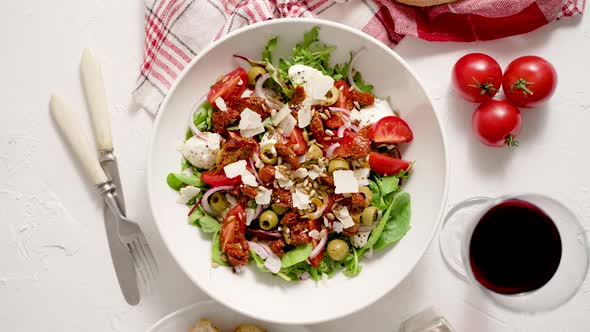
484 87
511 141
521 84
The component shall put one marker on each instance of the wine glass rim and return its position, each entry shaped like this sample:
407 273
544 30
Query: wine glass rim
523 196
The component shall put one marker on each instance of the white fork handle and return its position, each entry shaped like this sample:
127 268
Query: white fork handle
93 83
70 124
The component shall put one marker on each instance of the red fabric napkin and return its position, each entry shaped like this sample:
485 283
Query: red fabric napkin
176 30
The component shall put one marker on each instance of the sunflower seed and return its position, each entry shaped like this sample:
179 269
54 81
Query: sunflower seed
327 138
323 116
330 215
296 147
329 132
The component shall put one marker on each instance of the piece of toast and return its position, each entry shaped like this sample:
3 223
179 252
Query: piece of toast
424 3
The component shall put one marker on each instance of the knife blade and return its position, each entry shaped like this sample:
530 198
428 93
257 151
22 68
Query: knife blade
93 84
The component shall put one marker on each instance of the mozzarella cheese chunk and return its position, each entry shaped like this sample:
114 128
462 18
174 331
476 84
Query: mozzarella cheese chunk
202 151
221 104
315 234
264 195
371 114
186 194
344 216
250 123
239 168
300 200
362 176
360 239
345 182
315 83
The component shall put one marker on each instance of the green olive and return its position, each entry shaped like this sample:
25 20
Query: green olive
218 202
367 193
254 73
268 154
331 96
279 210
314 153
268 220
369 215
337 249
337 165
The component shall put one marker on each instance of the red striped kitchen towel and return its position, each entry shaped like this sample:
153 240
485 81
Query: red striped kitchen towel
176 30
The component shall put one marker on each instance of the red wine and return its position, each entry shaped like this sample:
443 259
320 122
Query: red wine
515 248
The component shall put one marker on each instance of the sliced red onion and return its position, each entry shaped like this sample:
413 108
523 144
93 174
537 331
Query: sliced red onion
237 269
302 158
272 262
259 209
265 235
259 83
355 57
205 199
363 229
259 91
342 129
304 276
339 110
251 163
318 249
330 150
354 128
370 252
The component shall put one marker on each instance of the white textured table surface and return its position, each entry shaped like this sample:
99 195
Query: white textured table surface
55 270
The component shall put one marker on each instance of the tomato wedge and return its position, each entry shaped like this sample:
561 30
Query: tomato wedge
335 121
311 225
232 227
386 165
391 129
216 178
345 142
232 85
344 97
296 138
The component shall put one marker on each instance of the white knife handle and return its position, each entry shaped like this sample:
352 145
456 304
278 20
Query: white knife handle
70 123
93 83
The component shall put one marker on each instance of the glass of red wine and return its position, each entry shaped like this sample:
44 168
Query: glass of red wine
527 252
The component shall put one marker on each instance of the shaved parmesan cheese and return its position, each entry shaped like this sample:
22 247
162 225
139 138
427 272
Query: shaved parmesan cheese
300 173
252 132
281 115
288 124
231 200
300 200
264 195
345 182
250 123
283 181
221 104
239 169
314 172
186 194
247 93
304 114
343 215
250 214
337 226
362 176
240 82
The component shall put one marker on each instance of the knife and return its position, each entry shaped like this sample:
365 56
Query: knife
93 84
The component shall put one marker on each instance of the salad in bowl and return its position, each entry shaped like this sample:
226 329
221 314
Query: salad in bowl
292 165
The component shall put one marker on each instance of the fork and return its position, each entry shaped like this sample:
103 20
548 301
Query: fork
128 231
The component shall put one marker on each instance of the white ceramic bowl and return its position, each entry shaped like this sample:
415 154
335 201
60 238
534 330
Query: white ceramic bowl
261 295
223 318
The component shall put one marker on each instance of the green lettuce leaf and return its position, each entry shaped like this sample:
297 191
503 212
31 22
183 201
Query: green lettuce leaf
216 250
202 118
360 83
179 180
270 47
296 255
398 223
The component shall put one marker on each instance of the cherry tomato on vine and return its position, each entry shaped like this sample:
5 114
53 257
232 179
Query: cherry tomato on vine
529 81
496 123
477 77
